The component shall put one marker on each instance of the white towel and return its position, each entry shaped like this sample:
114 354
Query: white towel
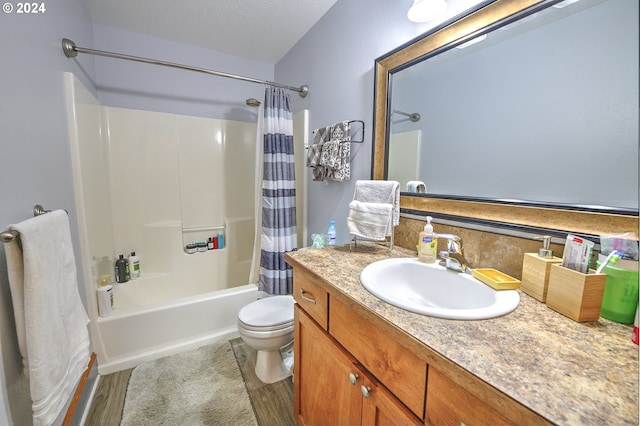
369 220
50 320
380 191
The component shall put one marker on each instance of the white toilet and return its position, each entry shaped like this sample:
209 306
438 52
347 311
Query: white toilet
266 325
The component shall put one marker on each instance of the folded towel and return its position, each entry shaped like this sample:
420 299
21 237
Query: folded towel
342 172
50 320
313 155
322 135
370 220
330 153
341 131
380 191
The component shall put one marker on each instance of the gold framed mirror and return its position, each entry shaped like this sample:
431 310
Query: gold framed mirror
540 215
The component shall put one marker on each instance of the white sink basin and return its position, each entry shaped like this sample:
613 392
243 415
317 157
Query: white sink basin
431 289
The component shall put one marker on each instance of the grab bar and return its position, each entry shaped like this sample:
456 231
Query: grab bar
8 236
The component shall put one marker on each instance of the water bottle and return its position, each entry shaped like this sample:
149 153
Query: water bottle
331 233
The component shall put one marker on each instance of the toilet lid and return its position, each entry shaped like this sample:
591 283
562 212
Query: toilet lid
268 312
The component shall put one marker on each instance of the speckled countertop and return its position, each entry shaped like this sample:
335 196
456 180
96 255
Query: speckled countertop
568 372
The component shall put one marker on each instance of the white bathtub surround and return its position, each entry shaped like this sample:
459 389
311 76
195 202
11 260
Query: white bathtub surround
50 320
139 334
152 182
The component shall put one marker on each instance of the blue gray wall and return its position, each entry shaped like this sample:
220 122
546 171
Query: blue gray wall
148 87
35 163
336 59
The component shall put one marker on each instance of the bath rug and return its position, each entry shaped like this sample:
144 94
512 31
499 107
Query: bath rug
199 387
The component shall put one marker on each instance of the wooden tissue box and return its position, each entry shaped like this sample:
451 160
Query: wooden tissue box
574 294
535 275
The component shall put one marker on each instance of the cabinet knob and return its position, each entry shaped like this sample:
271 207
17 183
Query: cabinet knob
365 390
353 378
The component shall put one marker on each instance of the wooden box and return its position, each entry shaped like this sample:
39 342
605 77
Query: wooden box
535 274
574 294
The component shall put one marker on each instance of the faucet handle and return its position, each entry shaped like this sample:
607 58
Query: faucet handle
454 244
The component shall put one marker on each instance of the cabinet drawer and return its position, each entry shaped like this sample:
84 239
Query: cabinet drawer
311 297
397 368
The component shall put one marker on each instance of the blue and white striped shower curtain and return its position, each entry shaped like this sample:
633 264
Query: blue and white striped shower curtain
279 234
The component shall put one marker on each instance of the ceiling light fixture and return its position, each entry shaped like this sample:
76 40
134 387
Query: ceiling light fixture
426 10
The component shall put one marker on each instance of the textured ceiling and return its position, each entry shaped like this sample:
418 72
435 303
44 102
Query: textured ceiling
262 30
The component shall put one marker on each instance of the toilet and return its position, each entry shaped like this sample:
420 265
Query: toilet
266 325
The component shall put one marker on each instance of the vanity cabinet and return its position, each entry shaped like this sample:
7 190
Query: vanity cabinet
332 388
352 367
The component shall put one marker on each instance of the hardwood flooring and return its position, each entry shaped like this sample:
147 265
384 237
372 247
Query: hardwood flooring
272 404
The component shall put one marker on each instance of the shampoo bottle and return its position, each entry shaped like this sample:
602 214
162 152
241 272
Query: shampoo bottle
428 244
134 266
122 270
105 297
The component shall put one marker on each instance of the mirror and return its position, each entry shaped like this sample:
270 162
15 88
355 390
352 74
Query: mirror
520 102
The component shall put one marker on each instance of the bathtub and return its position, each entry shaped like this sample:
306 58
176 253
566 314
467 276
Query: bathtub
132 335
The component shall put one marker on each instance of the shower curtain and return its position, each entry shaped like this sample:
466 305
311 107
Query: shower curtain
278 233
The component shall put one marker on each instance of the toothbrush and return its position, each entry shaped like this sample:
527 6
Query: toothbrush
612 259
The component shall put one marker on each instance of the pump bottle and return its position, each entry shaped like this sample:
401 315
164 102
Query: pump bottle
428 244
105 297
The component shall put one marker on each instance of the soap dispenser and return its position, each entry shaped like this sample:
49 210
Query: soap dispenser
536 268
428 244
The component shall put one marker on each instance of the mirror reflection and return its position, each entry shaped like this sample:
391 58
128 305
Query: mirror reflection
544 109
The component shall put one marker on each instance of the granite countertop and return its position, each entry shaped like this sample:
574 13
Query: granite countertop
568 372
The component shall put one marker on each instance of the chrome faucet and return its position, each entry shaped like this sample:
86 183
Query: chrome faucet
454 258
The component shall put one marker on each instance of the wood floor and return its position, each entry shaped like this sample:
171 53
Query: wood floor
272 404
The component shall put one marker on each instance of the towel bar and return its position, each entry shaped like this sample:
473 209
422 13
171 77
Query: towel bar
8 236
357 131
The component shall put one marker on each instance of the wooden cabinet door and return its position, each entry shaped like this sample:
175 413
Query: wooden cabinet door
450 404
323 392
399 369
380 407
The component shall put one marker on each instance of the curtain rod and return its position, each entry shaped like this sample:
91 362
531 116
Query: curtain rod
71 51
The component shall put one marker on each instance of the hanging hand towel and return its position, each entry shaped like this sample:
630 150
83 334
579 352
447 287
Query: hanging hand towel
330 157
320 136
314 153
369 220
343 170
50 320
380 191
341 166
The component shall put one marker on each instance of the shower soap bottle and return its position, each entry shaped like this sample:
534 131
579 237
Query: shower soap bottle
428 244
134 266
122 270
331 233
105 297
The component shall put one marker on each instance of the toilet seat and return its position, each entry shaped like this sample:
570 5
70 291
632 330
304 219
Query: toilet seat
268 314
